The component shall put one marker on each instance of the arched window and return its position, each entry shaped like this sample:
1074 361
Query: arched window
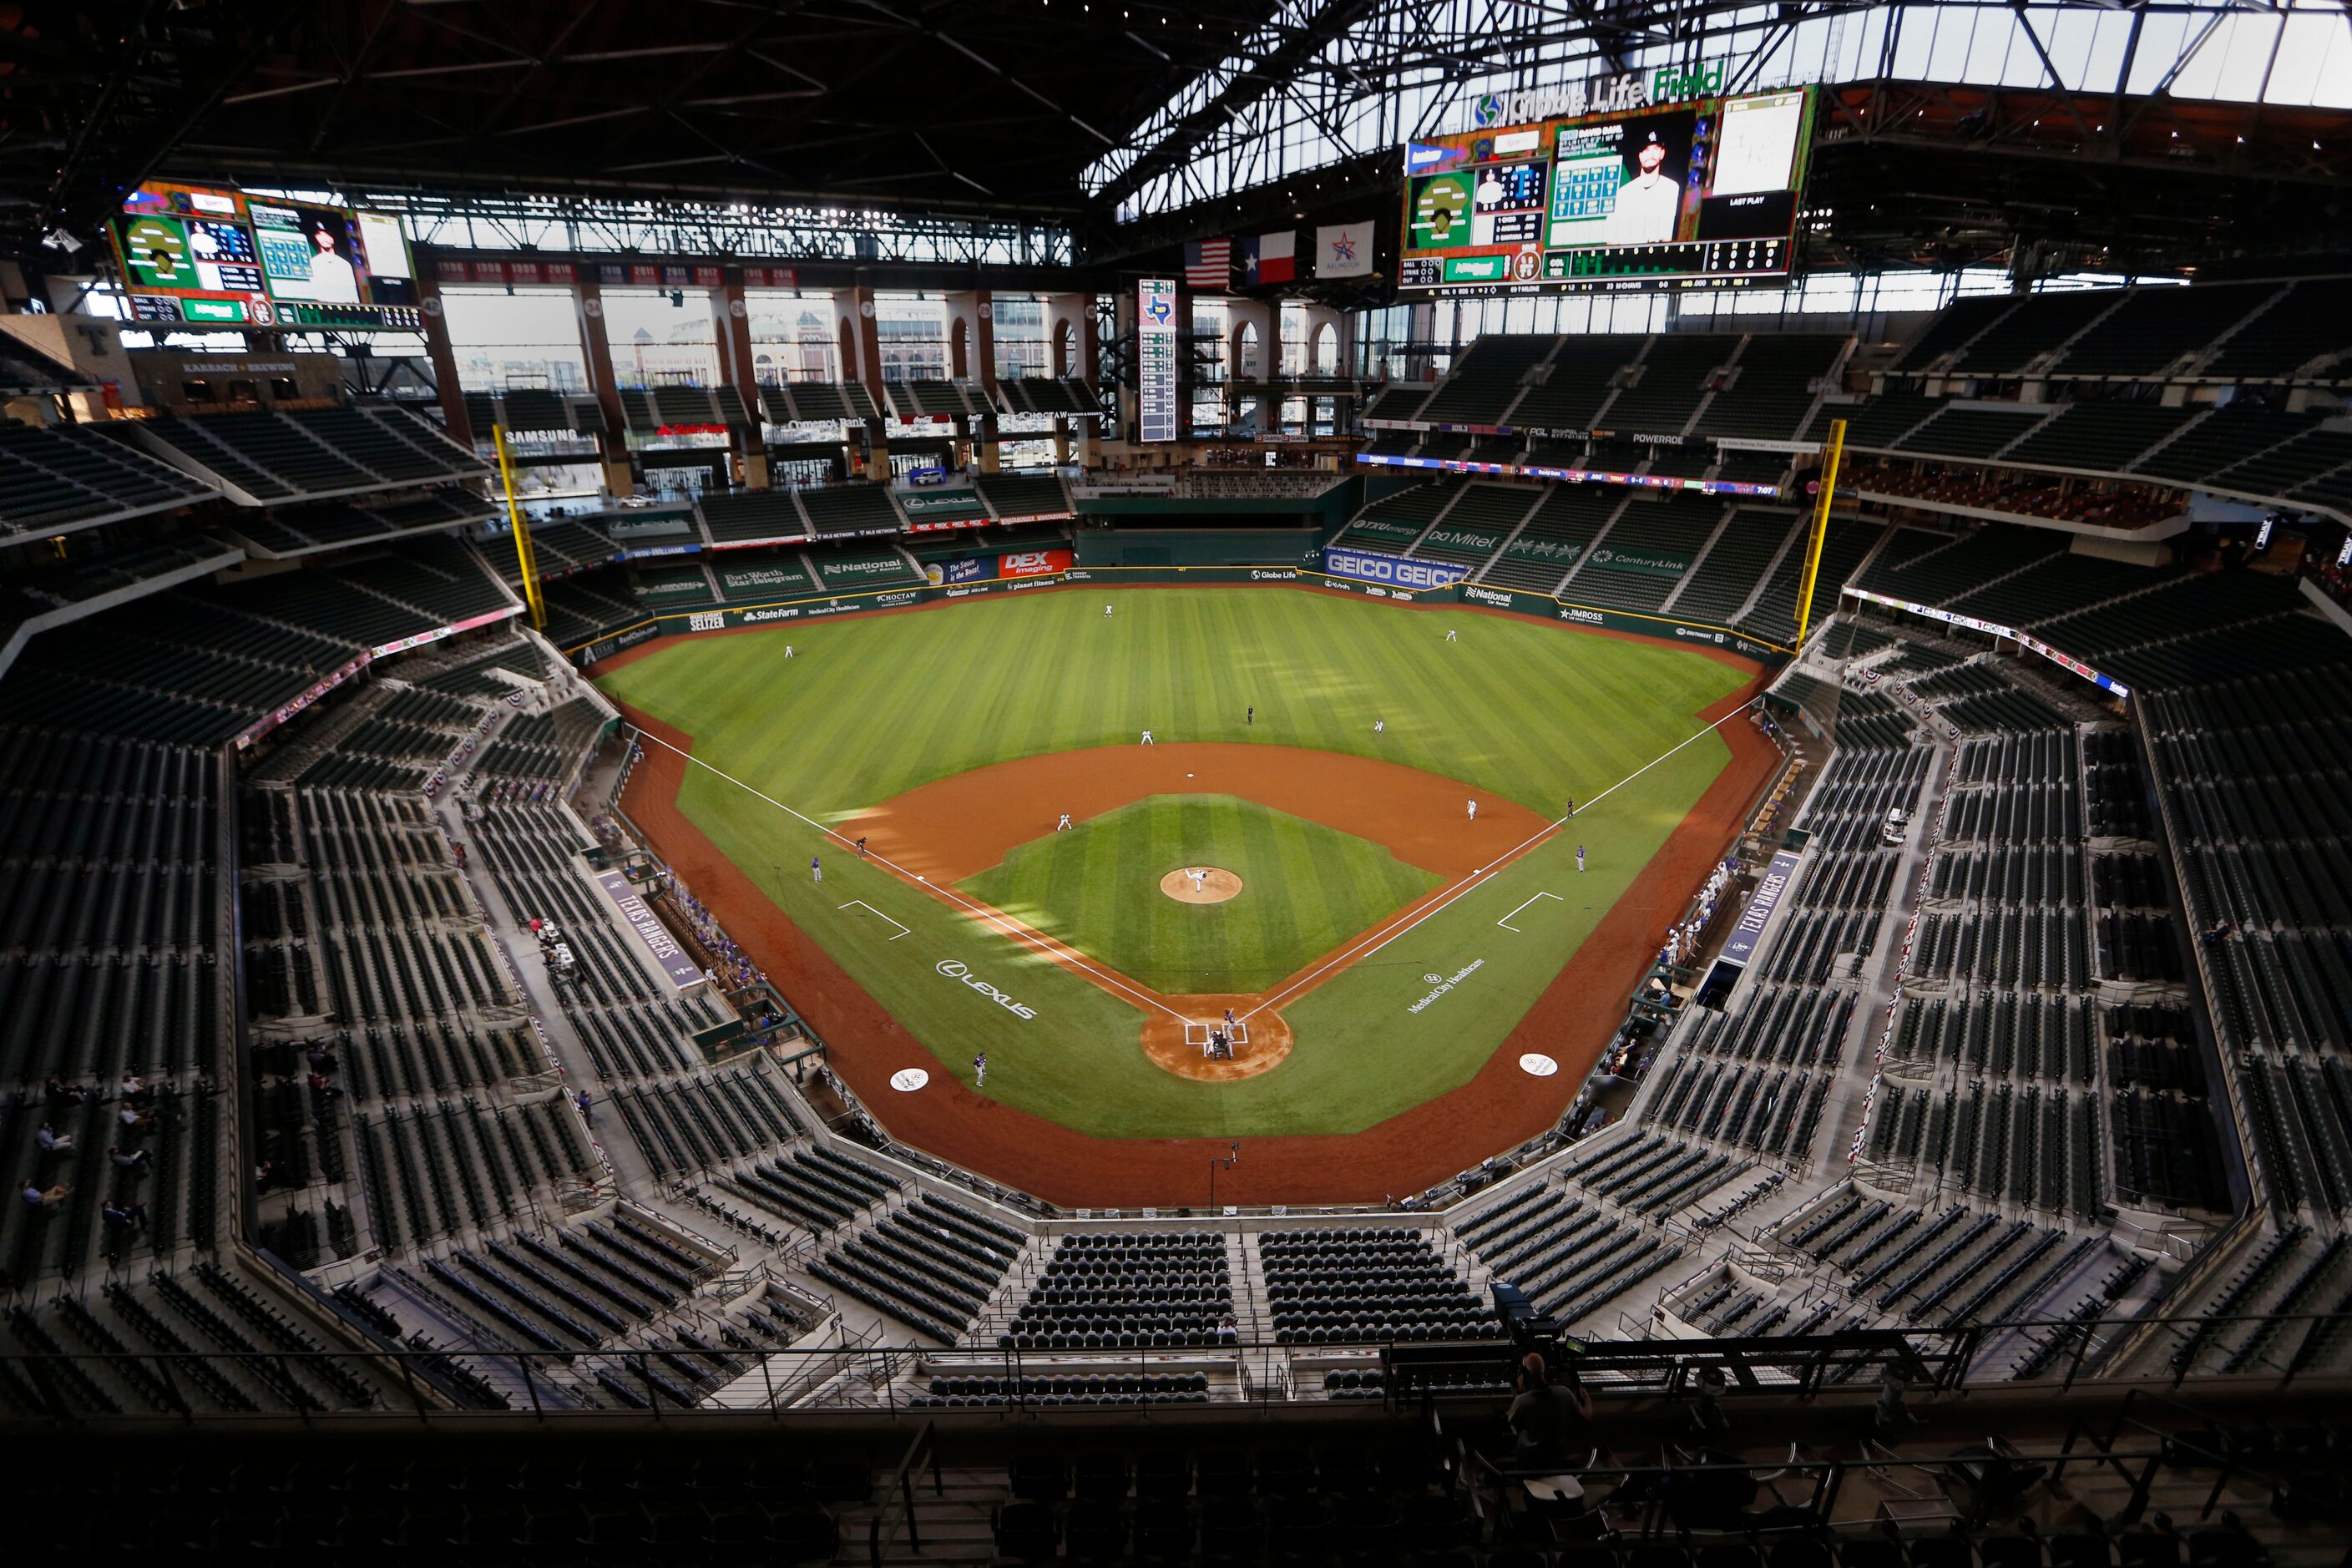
1065 348
1327 350
1246 363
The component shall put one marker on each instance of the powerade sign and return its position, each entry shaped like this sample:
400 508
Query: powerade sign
1391 571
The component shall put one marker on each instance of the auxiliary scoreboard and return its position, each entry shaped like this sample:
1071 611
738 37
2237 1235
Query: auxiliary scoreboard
1698 195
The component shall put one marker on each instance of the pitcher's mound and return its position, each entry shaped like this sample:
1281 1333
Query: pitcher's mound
1215 886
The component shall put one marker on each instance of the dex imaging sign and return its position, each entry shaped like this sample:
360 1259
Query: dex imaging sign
1391 571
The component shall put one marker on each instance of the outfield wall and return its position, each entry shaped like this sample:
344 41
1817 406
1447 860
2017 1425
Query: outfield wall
1398 579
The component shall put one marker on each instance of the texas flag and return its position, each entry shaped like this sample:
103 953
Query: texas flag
1270 258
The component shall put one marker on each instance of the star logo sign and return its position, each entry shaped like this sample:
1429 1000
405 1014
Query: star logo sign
1344 248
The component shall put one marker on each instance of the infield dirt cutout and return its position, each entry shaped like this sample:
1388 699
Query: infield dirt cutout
952 828
1216 885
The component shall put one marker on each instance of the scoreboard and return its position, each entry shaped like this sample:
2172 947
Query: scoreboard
189 255
1696 195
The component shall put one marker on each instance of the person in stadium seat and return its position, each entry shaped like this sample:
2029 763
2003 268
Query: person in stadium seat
34 1197
1544 1414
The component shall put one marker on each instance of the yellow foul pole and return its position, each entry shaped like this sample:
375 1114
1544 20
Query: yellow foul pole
525 562
1832 452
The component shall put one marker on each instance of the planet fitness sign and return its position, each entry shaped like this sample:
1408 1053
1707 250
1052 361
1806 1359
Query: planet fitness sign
1391 571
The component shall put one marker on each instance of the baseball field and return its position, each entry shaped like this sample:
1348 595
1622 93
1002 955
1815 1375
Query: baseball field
1313 755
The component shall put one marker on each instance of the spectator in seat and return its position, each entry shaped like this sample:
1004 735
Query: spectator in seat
53 1142
120 1215
34 1197
62 1093
1545 1413
130 1116
131 1160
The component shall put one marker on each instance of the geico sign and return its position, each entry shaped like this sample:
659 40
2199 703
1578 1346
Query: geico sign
1390 569
957 968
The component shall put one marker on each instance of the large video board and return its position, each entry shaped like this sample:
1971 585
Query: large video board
209 258
1696 195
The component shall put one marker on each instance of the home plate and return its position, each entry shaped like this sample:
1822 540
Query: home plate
906 1080
1534 1064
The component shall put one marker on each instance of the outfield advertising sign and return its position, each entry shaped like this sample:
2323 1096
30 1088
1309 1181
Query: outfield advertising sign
970 569
1391 571
1647 563
1033 563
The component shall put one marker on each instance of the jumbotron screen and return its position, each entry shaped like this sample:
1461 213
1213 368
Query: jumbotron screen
217 257
1696 195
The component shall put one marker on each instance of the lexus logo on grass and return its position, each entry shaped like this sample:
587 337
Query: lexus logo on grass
957 968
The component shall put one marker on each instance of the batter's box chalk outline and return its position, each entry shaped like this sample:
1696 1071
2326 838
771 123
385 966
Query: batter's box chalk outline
877 914
1198 1034
1505 921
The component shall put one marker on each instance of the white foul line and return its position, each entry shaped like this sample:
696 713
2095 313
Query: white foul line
1505 921
869 908
1484 872
1037 939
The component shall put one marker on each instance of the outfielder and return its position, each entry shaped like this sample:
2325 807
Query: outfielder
816 869
1147 739
979 1070
1106 612
1453 635
1380 726
1580 857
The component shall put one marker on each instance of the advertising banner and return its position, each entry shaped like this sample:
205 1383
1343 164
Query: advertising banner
922 503
270 721
437 633
2064 660
1742 945
970 569
752 579
1391 571
1032 562
1646 562
669 956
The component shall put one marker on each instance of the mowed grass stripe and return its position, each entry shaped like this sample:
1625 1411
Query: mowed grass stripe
1305 888
870 709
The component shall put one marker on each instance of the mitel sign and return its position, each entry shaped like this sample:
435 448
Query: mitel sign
1394 571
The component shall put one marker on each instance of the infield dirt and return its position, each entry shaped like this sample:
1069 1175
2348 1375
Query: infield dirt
1572 1021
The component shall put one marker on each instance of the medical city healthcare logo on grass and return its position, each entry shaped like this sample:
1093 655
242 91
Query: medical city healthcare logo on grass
1441 984
957 968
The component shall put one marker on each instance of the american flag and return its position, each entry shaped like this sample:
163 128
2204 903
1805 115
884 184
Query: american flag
1209 264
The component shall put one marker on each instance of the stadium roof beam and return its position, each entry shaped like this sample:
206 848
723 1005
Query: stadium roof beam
1400 68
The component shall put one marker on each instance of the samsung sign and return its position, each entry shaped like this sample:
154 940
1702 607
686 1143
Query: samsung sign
1392 570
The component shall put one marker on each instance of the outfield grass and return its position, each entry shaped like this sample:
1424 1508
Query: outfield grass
869 708
1306 889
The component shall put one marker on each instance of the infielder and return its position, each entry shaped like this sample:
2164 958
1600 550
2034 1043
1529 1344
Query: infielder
816 869
979 1070
1147 739
1474 811
1063 825
1580 857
